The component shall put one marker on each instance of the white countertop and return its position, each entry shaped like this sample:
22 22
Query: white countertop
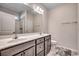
4 43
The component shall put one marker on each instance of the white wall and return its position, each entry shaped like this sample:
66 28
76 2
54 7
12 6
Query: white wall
7 23
62 25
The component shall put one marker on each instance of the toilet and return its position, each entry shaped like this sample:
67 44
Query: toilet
53 43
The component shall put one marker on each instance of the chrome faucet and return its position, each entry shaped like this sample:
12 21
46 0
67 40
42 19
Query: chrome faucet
40 33
15 35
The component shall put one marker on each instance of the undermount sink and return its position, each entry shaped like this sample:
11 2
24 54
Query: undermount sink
10 40
17 40
2 43
22 38
5 41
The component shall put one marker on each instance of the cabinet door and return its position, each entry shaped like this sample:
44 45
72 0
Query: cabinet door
16 49
48 45
40 47
30 52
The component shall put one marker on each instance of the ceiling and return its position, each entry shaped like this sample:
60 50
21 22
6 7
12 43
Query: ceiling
50 6
19 7
13 7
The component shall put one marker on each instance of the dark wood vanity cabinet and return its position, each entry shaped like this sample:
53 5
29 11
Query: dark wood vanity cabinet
40 47
41 53
27 52
19 49
20 54
30 52
37 47
46 52
47 44
43 48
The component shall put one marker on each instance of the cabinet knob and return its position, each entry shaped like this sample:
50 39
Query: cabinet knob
23 53
40 47
40 40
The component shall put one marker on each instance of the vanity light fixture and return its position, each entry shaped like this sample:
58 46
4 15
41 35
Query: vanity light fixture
26 3
35 7
17 18
38 9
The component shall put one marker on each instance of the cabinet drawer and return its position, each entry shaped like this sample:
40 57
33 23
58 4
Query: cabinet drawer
16 49
41 53
30 52
48 45
40 47
40 40
47 37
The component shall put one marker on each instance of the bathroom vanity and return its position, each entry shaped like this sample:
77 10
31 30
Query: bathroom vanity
38 45
18 20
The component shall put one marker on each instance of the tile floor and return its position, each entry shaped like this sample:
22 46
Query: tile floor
61 51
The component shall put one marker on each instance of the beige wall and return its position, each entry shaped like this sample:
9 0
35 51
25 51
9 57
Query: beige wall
37 23
27 21
40 21
78 26
7 23
30 19
17 26
24 21
62 25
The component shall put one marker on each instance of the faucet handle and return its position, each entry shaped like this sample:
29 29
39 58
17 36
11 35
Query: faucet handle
13 32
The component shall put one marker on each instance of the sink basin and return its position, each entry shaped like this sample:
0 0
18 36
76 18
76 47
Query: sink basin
17 40
10 40
2 43
22 38
5 41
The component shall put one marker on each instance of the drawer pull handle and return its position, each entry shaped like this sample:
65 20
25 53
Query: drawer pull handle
23 53
40 47
40 40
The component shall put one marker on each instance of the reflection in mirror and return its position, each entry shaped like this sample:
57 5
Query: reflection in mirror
7 23
19 18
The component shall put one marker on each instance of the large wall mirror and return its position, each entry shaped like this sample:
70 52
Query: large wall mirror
19 18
